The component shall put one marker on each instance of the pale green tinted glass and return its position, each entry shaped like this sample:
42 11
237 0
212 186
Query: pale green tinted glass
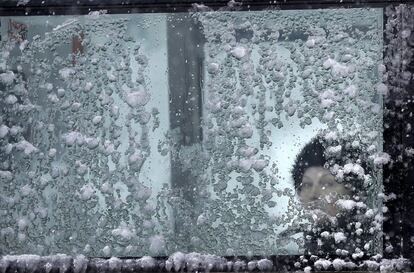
147 134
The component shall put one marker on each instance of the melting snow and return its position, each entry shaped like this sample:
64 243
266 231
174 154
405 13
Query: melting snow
26 147
7 78
4 130
239 52
349 204
381 158
137 98
339 237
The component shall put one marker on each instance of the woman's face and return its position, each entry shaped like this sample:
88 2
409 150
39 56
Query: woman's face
320 190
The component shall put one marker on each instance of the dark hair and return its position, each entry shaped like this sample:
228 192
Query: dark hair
312 155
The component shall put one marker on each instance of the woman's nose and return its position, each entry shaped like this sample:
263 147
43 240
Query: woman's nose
316 193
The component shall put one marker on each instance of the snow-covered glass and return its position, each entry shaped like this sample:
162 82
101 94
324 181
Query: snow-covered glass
229 133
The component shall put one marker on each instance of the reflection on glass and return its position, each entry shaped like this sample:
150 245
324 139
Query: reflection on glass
231 133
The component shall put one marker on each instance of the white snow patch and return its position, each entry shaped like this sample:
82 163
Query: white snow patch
91 142
136 157
137 98
338 264
201 219
195 261
213 68
52 152
65 73
114 264
147 262
328 98
26 147
200 7
264 265
14 130
80 262
336 67
123 231
176 261
325 234
246 131
322 264
8 148
349 204
381 158
328 63
341 70
355 144
25 261
7 78
358 254
4 130
106 250
394 265
245 165
11 99
259 164
339 237
409 151
109 147
86 192
65 24
239 52
7 175
61 92
310 42
22 2
71 137
334 150
328 115
354 168
22 223
97 13
26 190
88 87
157 245
382 89
111 76
371 265
251 265
351 91
331 136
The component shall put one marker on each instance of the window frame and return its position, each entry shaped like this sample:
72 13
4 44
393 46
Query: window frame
399 219
79 7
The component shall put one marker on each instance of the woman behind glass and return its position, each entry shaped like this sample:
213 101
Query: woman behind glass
333 229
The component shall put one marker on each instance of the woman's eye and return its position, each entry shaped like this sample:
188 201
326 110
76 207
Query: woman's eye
327 184
306 185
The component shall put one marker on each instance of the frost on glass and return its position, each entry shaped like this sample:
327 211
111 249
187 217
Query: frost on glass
275 80
83 136
88 149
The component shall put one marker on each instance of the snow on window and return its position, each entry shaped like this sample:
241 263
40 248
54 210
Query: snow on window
129 135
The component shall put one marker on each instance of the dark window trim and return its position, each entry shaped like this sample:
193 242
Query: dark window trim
398 177
72 7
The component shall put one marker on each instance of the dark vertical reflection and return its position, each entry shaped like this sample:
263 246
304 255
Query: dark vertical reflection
398 135
407 186
185 55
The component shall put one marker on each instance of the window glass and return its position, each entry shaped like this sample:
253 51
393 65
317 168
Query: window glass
229 133
286 92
